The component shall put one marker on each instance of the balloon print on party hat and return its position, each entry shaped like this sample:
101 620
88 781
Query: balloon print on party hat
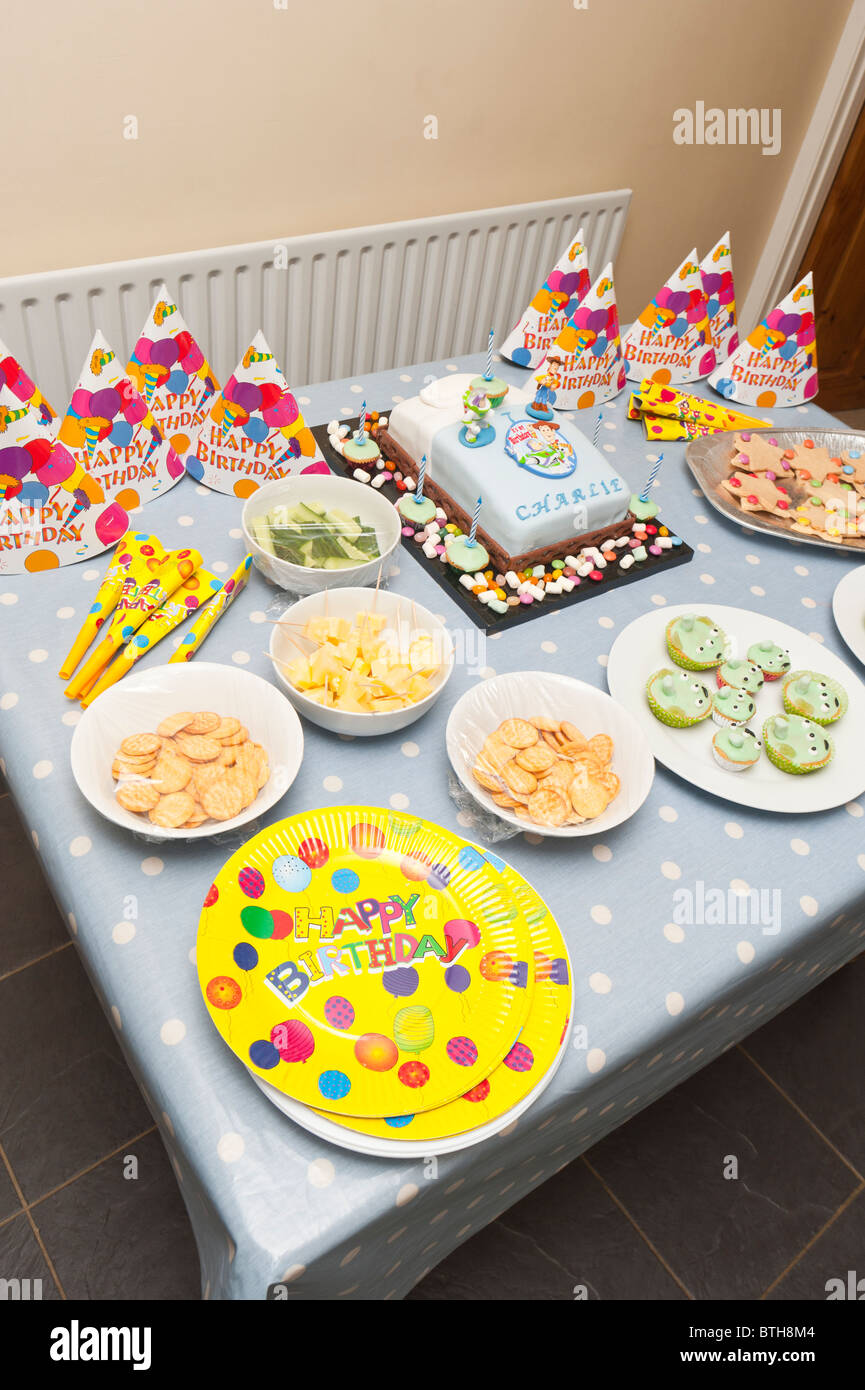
52 512
330 972
25 391
172 373
110 430
254 432
585 366
777 363
717 274
671 341
566 285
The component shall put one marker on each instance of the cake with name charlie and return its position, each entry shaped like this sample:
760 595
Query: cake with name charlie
544 489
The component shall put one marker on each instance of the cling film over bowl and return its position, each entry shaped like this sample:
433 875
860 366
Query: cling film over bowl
365 962
316 536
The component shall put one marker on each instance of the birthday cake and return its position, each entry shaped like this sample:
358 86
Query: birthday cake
546 490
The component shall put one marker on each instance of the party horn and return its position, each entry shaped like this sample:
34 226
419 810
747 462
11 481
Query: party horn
133 609
224 599
195 591
132 549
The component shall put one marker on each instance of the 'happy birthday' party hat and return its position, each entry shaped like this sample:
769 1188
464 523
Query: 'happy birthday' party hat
671 341
25 391
110 430
717 273
254 432
52 512
171 372
585 366
777 363
555 302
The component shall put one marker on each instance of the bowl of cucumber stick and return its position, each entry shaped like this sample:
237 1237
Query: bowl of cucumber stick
320 532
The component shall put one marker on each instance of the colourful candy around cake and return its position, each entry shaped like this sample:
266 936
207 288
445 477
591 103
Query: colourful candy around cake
546 489
731 706
795 744
744 675
677 698
696 643
735 750
819 698
773 661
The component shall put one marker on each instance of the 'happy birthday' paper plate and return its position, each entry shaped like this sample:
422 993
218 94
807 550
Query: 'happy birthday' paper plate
364 962
529 1060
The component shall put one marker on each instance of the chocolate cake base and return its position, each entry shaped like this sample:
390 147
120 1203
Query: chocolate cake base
501 560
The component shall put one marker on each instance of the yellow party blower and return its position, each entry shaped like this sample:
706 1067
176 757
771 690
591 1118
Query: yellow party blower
189 598
135 606
214 610
132 551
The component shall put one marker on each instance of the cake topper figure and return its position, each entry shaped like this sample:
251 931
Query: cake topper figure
546 383
475 431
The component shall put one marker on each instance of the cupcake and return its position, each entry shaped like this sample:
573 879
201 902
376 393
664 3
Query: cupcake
774 661
735 750
698 644
731 706
796 744
744 675
817 697
677 699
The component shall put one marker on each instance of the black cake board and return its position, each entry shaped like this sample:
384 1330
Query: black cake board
479 613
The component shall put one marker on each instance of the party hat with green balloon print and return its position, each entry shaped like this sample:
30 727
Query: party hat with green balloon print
777 363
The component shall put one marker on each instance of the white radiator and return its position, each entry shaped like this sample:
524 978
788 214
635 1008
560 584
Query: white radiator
331 305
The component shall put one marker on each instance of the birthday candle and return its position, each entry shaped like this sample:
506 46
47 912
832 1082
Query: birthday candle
418 496
474 530
488 374
597 428
361 428
650 482
223 599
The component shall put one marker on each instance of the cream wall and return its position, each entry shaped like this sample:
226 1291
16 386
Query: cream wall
258 122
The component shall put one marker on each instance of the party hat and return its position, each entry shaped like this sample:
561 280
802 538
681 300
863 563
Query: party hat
671 340
112 433
555 302
25 392
254 432
172 373
716 271
777 363
585 366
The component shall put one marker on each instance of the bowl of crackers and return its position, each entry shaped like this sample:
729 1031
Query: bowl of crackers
183 752
550 754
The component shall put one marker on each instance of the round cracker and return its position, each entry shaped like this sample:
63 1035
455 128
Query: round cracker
137 796
518 781
224 800
204 722
206 775
488 780
240 736
197 818
140 745
172 810
518 733
123 771
602 747
171 773
198 747
539 758
572 734
227 726
588 796
174 723
547 806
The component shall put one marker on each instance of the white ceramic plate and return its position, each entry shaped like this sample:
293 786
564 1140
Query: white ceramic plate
395 1148
144 698
848 606
521 694
640 649
403 617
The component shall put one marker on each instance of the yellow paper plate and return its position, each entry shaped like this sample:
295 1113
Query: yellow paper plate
531 1056
365 962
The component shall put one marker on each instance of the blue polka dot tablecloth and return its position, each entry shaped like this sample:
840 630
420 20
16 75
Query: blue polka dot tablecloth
657 996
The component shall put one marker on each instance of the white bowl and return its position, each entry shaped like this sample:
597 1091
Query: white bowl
355 498
402 615
143 699
522 694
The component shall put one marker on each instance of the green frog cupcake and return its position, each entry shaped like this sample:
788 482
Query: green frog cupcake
731 706
817 697
677 699
744 675
696 643
735 750
796 744
773 661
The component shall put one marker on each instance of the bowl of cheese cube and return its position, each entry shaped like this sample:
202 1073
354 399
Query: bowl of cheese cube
361 662
315 531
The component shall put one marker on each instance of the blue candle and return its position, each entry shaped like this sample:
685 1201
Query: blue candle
488 374
597 428
473 533
650 482
418 497
361 428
